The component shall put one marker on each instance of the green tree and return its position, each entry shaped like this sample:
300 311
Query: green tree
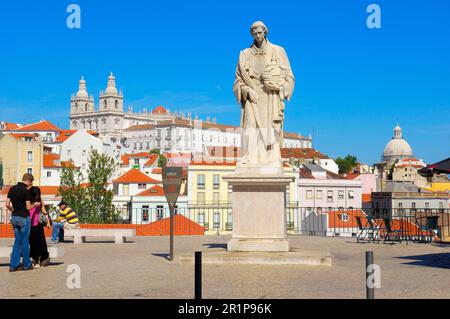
93 204
155 151
71 190
99 197
162 161
346 164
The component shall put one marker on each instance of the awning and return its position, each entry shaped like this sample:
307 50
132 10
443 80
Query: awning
442 167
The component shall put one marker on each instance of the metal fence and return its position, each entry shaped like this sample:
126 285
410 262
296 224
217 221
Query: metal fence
209 219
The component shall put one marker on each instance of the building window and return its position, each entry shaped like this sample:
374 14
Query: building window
201 198
84 152
136 161
309 194
142 186
351 194
126 189
159 212
140 145
216 181
216 197
145 213
49 174
427 205
30 171
341 194
30 156
69 153
319 194
201 218
329 196
201 181
344 217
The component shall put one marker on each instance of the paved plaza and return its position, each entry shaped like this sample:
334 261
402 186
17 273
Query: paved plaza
139 269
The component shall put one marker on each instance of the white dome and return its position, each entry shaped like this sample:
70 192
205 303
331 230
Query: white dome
111 88
82 92
397 147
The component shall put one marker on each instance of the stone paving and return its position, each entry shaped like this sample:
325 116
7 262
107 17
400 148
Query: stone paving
139 269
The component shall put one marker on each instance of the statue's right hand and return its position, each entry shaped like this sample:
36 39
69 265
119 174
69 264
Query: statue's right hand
253 96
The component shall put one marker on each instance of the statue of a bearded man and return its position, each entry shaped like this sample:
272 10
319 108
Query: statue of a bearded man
264 80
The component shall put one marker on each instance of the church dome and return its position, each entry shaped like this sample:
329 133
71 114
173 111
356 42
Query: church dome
397 148
82 92
111 88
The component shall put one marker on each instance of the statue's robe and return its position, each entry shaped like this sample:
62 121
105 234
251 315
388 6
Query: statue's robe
262 122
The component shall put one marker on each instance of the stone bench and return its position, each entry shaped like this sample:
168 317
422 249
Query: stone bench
119 234
54 252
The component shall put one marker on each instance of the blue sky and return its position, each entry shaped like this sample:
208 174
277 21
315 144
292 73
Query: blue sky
353 83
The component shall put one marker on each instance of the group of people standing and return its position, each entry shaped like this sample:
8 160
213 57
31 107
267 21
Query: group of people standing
29 217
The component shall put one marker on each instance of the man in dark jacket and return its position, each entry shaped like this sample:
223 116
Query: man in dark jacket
19 203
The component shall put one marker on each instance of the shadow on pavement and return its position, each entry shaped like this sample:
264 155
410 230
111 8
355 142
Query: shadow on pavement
162 255
216 245
52 263
439 260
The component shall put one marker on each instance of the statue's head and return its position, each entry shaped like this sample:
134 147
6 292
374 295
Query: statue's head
259 31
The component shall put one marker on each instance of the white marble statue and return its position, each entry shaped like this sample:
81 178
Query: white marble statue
264 80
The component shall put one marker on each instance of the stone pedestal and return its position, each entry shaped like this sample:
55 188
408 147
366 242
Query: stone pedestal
259 218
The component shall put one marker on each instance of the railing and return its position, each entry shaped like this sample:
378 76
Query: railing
217 218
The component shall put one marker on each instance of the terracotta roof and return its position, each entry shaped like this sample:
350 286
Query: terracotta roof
135 176
413 159
302 153
331 175
366 198
51 160
157 170
305 173
159 110
45 190
65 134
126 157
151 160
49 190
39 126
215 163
177 155
140 127
68 164
10 126
294 136
352 175
153 191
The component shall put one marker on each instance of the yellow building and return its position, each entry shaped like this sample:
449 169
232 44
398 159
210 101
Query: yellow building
20 154
440 186
210 197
